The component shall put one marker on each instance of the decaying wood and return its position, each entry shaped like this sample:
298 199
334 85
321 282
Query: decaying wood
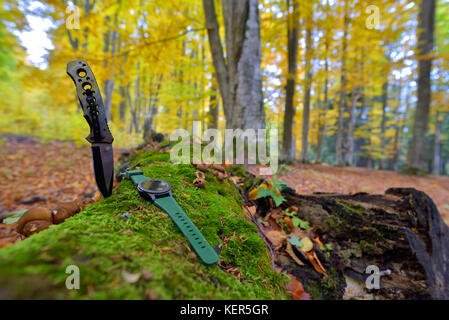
401 232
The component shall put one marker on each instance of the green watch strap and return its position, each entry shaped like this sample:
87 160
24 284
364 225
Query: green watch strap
202 248
168 204
136 176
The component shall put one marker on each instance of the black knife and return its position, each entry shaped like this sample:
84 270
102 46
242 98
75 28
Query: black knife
100 137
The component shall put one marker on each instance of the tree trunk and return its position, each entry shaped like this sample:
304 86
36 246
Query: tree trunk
383 121
437 145
307 87
343 80
110 41
292 47
239 78
351 128
416 155
400 122
324 104
151 110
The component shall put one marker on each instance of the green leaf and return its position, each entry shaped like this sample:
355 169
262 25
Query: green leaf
296 221
270 193
14 217
295 241
329 247
279 185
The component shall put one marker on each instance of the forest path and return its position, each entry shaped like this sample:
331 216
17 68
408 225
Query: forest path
311 178
42 174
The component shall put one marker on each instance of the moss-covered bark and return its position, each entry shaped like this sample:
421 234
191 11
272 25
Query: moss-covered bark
104 243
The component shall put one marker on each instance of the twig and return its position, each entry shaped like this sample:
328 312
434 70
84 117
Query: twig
265 239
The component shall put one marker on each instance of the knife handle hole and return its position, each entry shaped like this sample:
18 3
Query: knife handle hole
87 86
81 73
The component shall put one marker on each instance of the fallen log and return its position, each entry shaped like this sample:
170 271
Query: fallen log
400 233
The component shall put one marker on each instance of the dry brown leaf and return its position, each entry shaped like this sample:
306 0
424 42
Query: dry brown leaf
297 290
316 263
277 238
298 232
292 254
317 240
288 221
250 212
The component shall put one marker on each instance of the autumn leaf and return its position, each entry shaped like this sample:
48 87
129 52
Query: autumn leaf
297 290
277 238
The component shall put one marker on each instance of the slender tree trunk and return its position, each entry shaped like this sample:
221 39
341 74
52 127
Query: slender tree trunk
307 88
437 146
323 111
398 130
152 109
351 128
290 109
240 76
416 155
343 80
109 47
324 104
383 122
137 99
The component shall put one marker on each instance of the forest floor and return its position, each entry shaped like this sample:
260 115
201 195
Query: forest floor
33 173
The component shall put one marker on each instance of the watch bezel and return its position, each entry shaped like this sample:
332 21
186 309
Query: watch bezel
140 188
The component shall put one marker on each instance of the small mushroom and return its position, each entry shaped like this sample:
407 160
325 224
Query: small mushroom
38 219
200 180
218 167
34 220
220 175
65 210
201 166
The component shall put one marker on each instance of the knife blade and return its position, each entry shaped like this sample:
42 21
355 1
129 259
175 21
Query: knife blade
100 136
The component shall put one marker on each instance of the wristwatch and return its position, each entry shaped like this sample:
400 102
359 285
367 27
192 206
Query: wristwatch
159 192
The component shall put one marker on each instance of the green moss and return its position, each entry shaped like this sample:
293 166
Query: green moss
326 288
369 248
103 245
351 207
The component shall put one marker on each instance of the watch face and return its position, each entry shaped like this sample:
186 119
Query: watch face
154 186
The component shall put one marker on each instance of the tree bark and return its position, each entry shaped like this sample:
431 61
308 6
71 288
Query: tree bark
290 109
416 155
214 106
239 78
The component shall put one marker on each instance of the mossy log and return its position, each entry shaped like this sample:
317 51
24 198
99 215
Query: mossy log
401 232
126 248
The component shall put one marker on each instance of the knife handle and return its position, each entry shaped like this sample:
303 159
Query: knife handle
90 100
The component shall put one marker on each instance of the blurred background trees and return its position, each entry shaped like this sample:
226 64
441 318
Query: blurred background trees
347 82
